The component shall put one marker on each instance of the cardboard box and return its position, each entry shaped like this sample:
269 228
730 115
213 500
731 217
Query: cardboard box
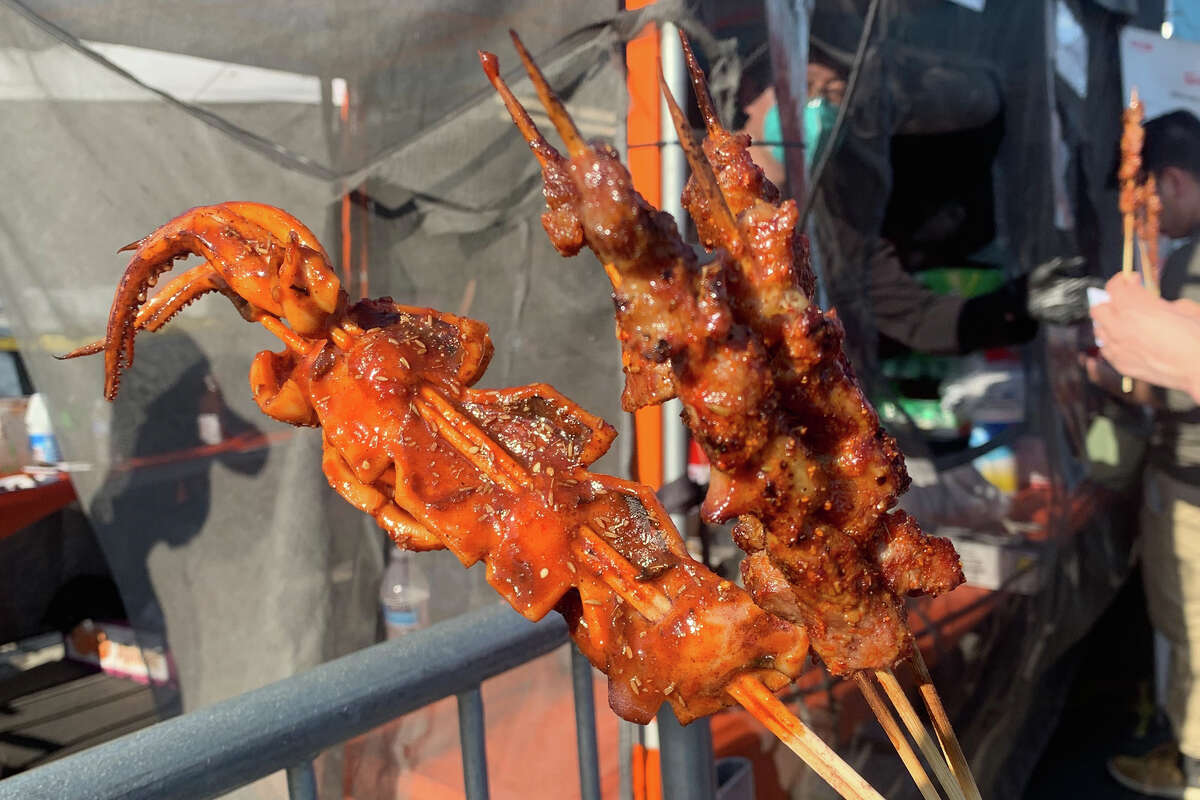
14 439
997 561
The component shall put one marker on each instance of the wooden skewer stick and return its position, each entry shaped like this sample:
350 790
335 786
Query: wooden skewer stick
896 736
1127 268
920 734
771 712
1127 253
943 728
1149 275
550 101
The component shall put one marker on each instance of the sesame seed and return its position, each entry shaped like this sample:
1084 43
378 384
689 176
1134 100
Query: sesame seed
670 688
473 449
544 572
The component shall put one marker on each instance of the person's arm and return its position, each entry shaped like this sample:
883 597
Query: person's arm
904 309
1154 340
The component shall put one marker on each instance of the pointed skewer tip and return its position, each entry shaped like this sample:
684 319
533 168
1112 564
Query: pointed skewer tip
559 116
491 64
699 85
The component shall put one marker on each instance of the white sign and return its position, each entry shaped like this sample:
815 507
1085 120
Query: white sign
1166 72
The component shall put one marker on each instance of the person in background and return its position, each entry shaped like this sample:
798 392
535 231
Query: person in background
1170 515
1146 337
903 309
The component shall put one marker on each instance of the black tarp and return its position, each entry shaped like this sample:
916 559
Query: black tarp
942 86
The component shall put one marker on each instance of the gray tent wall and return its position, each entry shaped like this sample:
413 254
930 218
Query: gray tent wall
247 561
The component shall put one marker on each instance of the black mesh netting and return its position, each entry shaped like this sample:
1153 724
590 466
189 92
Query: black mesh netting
966 147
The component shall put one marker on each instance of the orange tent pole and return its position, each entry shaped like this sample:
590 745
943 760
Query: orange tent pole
642 128
645 166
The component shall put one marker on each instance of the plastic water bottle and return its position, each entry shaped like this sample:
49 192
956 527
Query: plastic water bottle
403 595
41 436
404 599
208 419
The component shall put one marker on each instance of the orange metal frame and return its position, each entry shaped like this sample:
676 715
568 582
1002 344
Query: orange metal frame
641 55
642 126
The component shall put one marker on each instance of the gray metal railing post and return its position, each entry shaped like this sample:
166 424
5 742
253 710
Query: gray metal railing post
302 781
585 726
686 758
474 744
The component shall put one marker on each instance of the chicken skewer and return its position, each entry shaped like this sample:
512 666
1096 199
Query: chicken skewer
679 336
767 299
1129 173
499 476
1138 202
717 367
773 288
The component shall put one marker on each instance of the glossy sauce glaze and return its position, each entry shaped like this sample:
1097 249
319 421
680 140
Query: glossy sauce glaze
798 454
397 407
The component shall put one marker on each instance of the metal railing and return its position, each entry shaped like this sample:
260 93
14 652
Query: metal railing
283 726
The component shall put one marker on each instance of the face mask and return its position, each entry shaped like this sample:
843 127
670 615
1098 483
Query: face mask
773 132
819 116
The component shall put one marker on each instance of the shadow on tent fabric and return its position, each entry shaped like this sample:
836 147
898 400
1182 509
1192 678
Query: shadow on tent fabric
170 427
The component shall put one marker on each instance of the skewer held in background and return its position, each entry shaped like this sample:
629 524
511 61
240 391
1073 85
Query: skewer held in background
1149 276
